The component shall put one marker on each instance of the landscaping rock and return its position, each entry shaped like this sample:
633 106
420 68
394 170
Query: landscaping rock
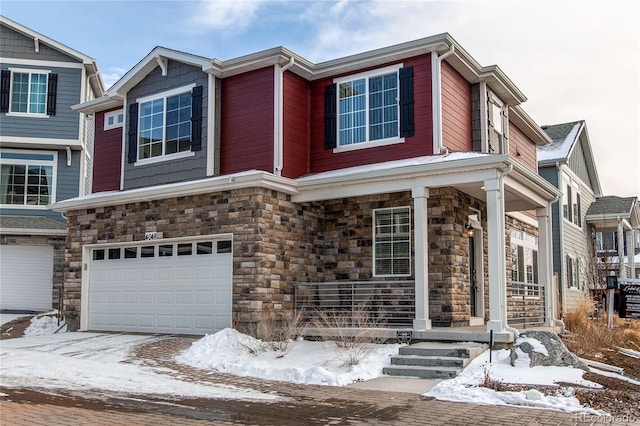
546 349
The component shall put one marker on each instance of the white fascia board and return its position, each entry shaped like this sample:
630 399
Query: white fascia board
35 231
362 181
541 185
99 104
46 143
248 179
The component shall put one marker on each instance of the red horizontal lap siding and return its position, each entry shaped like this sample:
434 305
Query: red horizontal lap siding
456 110
107 156
296 107
522 148
246 130
418 145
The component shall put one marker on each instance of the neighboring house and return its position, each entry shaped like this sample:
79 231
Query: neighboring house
45 157
568 163
227 192
616 224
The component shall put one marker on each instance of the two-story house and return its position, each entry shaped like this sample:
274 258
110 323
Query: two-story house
45 157
230 191
568 163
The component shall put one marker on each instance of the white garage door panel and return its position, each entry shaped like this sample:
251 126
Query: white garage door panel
170 294
26 277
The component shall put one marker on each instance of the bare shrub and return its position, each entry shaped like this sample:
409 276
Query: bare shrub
589 336
278 334
490 383
353 332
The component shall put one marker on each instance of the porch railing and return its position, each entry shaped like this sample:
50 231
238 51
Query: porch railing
525 304
389 303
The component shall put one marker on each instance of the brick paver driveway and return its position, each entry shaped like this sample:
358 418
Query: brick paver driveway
300 404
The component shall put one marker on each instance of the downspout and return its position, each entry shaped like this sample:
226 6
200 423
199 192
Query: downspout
437 100
560 287
279 113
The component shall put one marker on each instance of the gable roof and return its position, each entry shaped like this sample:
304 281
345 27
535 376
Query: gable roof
438 44
612 207
565 138
90 64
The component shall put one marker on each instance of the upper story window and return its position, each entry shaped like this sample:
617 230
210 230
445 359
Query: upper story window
113 119
369 109
166 125
392 242
607 242
497 124
27 179
28 92
571 205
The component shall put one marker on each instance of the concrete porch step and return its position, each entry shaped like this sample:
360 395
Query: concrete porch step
433 360
429 361
422 372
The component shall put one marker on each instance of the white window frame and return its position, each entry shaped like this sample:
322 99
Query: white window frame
529 245
118 119
33 162
367 143
164 157
497 109
571 202
572 272
397 230
29 71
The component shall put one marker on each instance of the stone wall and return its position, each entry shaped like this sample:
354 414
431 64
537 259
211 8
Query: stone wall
58 243
277 243
274 243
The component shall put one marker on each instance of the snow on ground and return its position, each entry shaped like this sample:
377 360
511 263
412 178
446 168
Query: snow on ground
306 362
91 361
94 361
5 318
320 363
465 387
42 324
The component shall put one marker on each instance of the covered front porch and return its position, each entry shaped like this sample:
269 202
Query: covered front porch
459 234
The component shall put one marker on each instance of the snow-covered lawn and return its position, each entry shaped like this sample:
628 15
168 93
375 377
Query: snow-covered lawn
94 361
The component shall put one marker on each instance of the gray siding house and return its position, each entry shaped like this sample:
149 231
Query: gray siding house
45 156
568 164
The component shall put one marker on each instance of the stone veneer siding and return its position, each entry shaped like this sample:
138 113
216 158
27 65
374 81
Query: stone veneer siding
58 243
277 243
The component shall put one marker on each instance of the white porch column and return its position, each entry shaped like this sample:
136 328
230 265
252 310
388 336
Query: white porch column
620 235
421 230
631 253
545 262
497 253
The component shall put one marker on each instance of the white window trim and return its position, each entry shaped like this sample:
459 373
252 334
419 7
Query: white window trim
115 115
528 241
27 71
493 98
575 190
368 143
54 175
575 271
373 226
164 157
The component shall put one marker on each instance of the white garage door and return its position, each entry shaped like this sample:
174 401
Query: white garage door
180 287
26 277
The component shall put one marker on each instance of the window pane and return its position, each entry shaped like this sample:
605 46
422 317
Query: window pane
392 243
98 254
165 250
204 247
224 246
114 253
185 249
130 252
19 92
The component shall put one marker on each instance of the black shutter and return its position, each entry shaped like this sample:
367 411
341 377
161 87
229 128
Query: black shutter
406 102
330 117
133 133
5 85
196 118
52 93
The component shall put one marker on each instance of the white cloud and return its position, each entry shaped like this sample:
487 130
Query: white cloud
223 14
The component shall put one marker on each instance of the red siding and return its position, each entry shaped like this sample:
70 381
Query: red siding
522 148
107 156
456 110
418 145
296 126
246 139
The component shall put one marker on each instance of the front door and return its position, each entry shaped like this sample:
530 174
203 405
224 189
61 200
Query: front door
473 275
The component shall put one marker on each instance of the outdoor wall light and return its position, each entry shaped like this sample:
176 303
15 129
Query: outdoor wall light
470 230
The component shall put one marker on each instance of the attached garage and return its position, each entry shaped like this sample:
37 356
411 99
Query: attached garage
161 286
26 277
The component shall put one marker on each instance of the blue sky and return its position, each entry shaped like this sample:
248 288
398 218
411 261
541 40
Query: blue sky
574 60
